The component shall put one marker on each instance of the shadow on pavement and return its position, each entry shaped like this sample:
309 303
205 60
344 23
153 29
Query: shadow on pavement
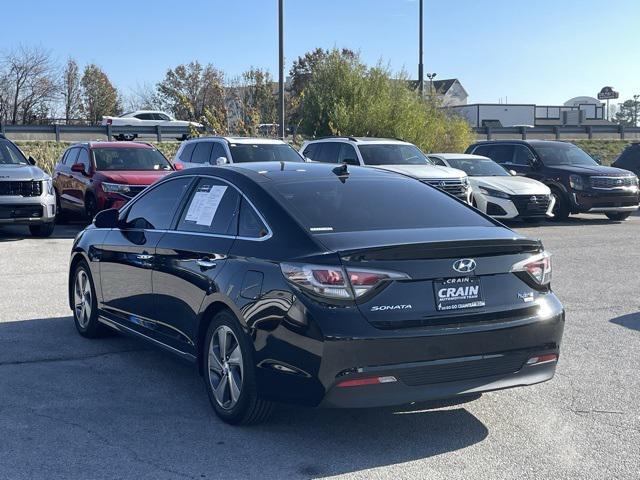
631 320
148 415
20 232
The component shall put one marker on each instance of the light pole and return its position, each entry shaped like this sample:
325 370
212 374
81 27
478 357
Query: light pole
635 110
420 55
431 76
281 127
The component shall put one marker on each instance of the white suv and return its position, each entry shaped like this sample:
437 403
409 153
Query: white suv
222 150
388 154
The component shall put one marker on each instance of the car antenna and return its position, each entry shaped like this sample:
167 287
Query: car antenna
341 171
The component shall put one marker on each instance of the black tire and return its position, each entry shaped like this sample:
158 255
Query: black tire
42 230
561 209
248 408
86 321
618 216
90 207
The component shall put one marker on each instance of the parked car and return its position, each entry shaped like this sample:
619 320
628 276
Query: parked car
629 159
577 182
281 287
222 150
149 118
26 192
496 191
93 176
388 154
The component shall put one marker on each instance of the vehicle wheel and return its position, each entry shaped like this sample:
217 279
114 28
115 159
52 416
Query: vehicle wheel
85 305
44 230
561 208
618 216
90 207
229 373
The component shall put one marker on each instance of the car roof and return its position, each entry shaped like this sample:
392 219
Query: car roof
266 172
457 156
98 144
521 142
363 140
240 140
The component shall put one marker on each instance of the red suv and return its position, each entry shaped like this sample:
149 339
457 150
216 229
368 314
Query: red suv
94 176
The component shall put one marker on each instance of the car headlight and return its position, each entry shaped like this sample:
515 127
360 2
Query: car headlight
465 181
47 185
490 192
576 182
634 181
115 188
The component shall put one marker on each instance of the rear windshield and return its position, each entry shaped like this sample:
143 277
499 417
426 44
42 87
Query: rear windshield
130 159
361 204
260 152
392 154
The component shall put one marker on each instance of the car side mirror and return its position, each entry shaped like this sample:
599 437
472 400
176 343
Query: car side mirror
513 173
107 218
307 159
221 161
178 166
597 158
78 167
31 160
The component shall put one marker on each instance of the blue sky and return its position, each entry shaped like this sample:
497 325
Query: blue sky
534 51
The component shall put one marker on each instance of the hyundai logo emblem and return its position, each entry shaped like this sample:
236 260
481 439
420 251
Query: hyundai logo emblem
534 199
464 265
443 184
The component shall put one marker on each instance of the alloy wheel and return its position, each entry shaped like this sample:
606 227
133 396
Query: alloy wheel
82 298
225 367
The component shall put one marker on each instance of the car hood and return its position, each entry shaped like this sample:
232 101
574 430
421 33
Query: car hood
133 177
511 185
591 170
424 171
21 172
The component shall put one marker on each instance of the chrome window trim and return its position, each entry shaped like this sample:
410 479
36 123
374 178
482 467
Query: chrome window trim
218 235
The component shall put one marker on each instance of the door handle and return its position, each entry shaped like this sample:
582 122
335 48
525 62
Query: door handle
144 256
206 263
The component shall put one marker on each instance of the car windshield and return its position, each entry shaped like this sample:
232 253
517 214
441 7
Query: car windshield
336 205
130 159
564 154
10 155
478 167
263 152
392 154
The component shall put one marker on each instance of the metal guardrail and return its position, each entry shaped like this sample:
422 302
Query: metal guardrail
110 131
559 131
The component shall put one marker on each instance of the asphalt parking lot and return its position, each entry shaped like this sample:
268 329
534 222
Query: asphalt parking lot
114 408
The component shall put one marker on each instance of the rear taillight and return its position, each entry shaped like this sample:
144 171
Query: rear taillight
537 268
336 282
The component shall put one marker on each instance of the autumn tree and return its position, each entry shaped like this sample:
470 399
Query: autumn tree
195 92
29 82
99 96
71 91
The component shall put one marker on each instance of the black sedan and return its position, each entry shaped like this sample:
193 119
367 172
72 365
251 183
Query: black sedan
319 285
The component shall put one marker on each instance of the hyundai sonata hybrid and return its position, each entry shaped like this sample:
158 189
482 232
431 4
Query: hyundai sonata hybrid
320 285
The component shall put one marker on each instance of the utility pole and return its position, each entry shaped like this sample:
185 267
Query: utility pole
420 65
635 110
281 127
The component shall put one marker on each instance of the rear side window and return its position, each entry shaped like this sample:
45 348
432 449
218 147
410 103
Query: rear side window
202 152
71 156
211 208
327 152
329 205
250 225
155 209
185 154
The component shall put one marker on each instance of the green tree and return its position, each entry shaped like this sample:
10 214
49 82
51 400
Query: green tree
99 96
253 101
71 91
628 113
195 92
345 97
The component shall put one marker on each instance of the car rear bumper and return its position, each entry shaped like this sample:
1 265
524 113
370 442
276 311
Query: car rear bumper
399 392
426 363
27 210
